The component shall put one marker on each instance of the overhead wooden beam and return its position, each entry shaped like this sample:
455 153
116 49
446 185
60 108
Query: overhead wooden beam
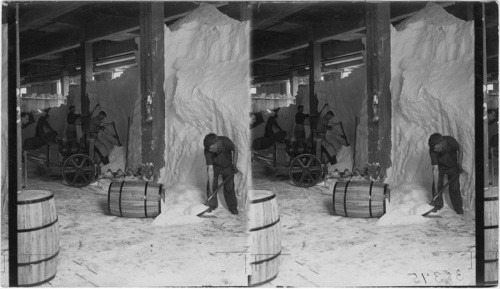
378 69
35 18
278 14
324 32
152 94
100 29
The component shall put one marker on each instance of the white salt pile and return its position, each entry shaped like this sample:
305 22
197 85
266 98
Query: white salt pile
206 90
432 86
344 160
181 205
408 203
116 160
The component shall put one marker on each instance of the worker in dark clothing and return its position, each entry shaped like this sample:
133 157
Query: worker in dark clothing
26 119
271 124
221 157
299 130
71 119
44 130
446 159
71 124
93 137
323 125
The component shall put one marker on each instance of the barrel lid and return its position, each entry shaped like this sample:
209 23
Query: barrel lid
28 196
255 195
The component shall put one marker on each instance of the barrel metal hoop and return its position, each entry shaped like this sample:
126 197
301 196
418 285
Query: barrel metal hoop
39 283
345 198
109 197
370 199
334 191
267 259
490 199
491 227
37 228
266 226
261 283
36 201
145 200
39 261
263 199
159 198
120 199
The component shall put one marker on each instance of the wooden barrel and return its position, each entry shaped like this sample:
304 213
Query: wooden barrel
134 199
359 199
37 237
491 236
265 234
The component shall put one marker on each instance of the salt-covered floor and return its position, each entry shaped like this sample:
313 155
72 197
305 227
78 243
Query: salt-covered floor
99 250
322 250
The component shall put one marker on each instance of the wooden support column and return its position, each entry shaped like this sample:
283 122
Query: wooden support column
378 68
294 83
86 72
314 76
481 155
152 94
65 83
14 131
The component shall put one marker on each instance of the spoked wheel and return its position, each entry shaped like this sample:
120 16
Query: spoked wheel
306 170
79 170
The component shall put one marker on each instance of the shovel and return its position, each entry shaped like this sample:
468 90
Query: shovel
439 194
214 193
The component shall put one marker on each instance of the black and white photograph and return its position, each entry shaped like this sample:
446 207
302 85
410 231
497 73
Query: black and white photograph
249 144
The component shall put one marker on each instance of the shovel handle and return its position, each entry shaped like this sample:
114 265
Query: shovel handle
444 187
219 187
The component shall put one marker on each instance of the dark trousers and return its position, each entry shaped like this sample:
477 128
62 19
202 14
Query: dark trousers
454 189
229 194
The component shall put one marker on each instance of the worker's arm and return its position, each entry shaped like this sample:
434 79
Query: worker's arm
460 158
277 125
435 178
210 172
235 160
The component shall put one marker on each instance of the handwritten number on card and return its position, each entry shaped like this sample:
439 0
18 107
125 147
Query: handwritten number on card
416 278
436 278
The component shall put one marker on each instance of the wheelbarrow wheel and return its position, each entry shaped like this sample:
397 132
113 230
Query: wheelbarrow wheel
79 170
306 170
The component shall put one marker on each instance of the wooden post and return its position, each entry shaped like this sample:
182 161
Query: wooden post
152 94
378 68
64 83
314 76
14 133
86 72
294 83
480 119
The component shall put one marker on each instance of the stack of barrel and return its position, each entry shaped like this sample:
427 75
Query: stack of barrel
360 199
134 199
265 235
37 237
